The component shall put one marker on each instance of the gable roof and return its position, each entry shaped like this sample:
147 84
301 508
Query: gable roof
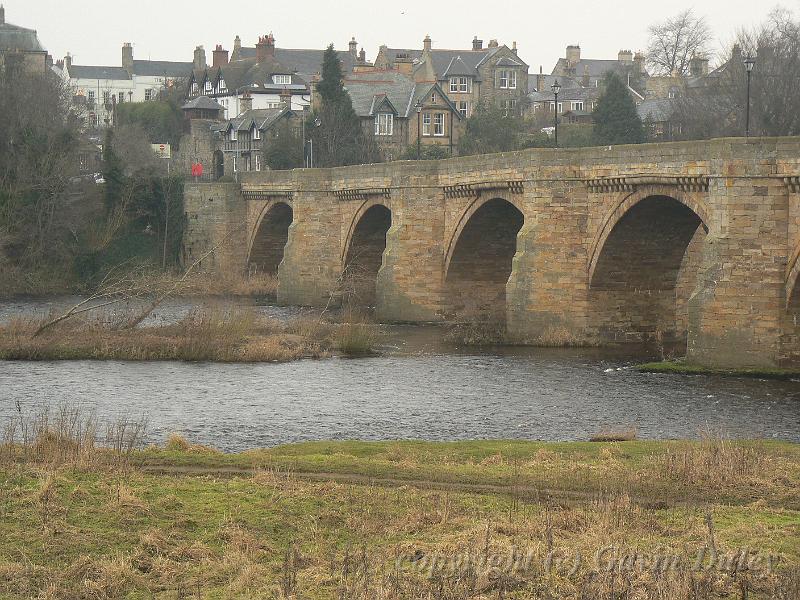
202 102
392 54
261 118
382 91
306 63
657 110
157 68
470 59
248 74
98 72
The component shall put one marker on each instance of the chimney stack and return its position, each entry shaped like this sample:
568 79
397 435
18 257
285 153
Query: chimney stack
265 48
245 103
237 48
68 61
127 57
477 44
353 47
540 80
514 47
220 57
639 60
2 14
362 57
625 56
493 44
199 58
426 43
573 55
698 66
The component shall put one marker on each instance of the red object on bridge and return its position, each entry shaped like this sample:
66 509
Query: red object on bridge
197 170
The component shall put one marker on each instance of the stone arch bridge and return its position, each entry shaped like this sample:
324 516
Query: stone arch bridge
690 243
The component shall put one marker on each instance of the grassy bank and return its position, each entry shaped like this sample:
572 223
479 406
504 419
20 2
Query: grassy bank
386 520
683 368
238 335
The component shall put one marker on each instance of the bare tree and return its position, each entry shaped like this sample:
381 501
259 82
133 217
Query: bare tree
674 42
718 107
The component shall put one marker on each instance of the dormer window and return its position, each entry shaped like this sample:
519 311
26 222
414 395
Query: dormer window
232 134
195 88
222 87
282 79
209 87
460 85
384 124
256 133
507 79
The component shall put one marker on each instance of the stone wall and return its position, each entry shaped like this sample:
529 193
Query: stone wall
692 241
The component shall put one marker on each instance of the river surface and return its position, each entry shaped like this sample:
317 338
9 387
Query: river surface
419 387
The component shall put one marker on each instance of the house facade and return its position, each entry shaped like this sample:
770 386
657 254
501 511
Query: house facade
399 112
495 74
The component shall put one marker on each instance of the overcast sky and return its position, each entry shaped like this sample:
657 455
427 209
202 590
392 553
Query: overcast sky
93 30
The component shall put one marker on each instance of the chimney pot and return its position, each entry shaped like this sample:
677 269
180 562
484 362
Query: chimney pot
477 44
493 44
265 48
199 58
127 57
220 57
353 46
426 43
573 55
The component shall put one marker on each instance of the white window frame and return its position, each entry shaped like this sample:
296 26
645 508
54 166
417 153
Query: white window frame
577 105
463 108
256 133
234 136
235 164
106 97
384 124
459 85
560 108
508 79
148 94
221 86
426 123
282 79
195 88
90 97
258 161
438 124
208 87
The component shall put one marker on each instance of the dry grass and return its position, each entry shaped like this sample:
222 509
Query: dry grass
236 335
609 435
78 533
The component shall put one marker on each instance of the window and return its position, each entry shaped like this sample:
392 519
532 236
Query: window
508 80
148 94
106 97
463 107
560 107
426 124
222 88
209 87
233 134
235 164
438 124
433 98
577 106
384 124
256 133
195 88
459 84
282 79
508 106
258 161
93 120
90 98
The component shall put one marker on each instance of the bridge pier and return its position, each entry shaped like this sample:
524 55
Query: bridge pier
736 312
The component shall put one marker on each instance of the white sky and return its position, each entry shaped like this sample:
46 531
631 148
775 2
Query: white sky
93 30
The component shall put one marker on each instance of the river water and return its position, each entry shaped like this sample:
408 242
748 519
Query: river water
419 387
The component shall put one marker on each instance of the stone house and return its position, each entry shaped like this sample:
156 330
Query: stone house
590 72
20 47
494 74
397 111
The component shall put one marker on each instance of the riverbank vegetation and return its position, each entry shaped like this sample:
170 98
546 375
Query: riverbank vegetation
681 367
230 335
395 520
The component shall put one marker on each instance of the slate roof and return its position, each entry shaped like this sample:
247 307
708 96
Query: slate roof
388 91
393 53
657 111
262 118
305 63
204 103
472 59
98 72
597 67
156 68
566 83
567 93
255 76
16 38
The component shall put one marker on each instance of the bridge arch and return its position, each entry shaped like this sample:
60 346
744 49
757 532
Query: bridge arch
644 266
362 256
480 257
269 237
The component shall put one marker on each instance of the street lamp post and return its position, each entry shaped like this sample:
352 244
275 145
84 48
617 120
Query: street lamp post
556 87
749 63
317 123
418 106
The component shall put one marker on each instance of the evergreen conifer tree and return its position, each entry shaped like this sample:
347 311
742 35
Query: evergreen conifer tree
615 118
